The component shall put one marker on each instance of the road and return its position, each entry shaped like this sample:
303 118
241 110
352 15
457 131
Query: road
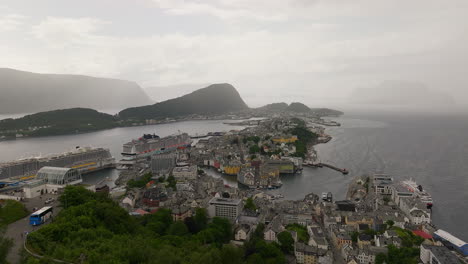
17 229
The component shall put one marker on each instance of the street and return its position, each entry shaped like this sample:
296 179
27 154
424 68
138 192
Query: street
17 229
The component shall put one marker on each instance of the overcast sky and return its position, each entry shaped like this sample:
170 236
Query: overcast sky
314 51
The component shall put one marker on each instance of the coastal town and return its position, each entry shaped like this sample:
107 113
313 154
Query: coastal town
381 218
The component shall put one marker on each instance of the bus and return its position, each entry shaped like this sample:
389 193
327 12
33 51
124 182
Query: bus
40 216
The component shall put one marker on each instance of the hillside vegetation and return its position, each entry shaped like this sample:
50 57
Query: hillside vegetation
93 229
298 107
74 120
214 99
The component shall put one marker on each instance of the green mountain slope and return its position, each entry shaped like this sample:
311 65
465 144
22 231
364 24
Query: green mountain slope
298 107
214 99
57 122
274 107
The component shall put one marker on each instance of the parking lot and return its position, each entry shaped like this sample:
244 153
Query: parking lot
17 230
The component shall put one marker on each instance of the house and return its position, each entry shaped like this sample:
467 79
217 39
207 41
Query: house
273 229
179 213
243 232
383 241
367 254
364 240
306 254
341 238
358 219
348 252
317 237
390 233
153 196
415 210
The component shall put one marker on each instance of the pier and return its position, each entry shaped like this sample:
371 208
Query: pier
321 165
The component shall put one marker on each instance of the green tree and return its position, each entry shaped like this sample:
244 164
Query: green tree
354 236
5 246
286 241
75 195
386 199
301 231
381 258
255 259
12 211
231 254
249 204
171 182
201 218
140 183
178 228
389 223
254 149
223 229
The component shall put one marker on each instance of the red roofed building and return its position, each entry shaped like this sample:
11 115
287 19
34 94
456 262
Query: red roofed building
141 211
422 234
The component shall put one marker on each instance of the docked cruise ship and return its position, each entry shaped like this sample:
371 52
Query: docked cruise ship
418 191
85 159
148 145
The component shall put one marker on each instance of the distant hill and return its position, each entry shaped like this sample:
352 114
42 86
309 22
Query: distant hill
58 122
27 92
163 93
298 107
326 112
274 107
214 99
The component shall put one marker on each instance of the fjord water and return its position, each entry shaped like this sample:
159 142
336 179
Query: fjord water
433 150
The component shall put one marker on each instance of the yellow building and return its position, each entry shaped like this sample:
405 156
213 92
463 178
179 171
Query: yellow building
356 220
290 139
232 170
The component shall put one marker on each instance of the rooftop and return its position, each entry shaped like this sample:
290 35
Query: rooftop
450 238
442 254
225 201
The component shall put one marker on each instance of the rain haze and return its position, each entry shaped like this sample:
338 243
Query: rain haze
234 131
343 54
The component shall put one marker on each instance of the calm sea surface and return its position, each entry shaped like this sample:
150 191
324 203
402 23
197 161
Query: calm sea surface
431 150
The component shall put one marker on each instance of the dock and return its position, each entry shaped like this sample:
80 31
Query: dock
321 165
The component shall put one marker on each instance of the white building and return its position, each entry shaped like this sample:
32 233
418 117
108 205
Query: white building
415 210
185 173
242 232
50 180
224 207
382 184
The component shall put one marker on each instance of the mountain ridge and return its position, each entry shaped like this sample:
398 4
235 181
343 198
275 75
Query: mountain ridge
213 99
27 92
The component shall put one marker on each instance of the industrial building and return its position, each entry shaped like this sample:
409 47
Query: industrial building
458 244
50 180
437 255
224 207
